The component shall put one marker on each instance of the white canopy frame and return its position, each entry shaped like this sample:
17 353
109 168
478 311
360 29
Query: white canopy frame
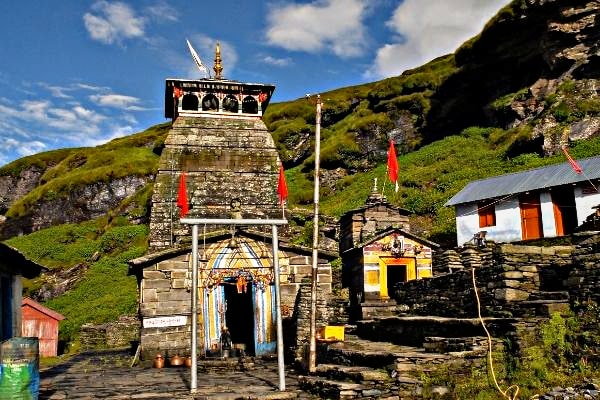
195 222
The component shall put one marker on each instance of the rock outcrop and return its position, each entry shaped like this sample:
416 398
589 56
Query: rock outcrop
81 204
527 53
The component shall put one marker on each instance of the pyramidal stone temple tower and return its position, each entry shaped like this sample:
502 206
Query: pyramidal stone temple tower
220 142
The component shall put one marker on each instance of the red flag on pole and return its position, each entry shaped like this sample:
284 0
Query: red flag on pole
573 163
282 189
392 165
182 199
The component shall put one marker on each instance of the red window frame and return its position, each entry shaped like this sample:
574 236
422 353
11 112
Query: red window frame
487 214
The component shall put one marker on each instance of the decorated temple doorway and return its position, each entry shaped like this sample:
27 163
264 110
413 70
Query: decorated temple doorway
239 294
239 315
394 270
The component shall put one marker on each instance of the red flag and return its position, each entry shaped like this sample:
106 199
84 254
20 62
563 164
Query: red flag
392 165
573 163
182 199
282 189
177 92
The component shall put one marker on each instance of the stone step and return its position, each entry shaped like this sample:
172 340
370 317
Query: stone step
554 295
542 308
443 345
356 374
412 330
373 309
341 390
359 352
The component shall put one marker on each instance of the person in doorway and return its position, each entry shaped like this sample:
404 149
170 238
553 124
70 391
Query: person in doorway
225 339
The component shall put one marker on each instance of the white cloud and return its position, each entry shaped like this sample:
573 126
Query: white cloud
57 91
278 62
91 88
50 122
117 101
163 12
113 22
29 148
427 29
115 132
20 147
323 25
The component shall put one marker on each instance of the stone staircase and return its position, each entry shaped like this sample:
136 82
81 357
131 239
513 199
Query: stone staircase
364 369
543 304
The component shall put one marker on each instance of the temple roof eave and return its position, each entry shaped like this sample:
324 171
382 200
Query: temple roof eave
381 234
151 258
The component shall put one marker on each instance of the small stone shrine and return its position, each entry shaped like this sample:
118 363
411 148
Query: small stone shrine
378 251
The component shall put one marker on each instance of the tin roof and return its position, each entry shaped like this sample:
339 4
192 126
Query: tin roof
519 182
44 310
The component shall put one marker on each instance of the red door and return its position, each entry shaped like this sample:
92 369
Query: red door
565 211
531 216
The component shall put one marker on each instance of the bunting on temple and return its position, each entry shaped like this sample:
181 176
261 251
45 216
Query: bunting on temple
392 165
282 189
574 164
182 199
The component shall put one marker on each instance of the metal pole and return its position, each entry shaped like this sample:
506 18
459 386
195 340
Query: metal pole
280 360
194 379
312 357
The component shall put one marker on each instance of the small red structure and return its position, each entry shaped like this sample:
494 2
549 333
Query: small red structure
41 322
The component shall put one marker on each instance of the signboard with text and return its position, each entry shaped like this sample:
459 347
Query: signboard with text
161 322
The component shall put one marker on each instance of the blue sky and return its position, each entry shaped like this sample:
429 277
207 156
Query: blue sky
80 73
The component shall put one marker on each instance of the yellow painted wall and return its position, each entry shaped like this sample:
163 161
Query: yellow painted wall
378 255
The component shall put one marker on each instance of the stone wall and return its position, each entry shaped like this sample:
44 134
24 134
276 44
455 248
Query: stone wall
224 158
584 280
164 293
299 346
121 333
297 271
512 280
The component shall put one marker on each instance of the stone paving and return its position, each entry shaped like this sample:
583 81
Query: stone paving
108 375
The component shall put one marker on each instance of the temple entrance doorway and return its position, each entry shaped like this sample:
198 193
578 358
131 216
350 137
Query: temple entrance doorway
395 274
239 315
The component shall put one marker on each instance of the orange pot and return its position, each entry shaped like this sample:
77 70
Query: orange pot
176 361
159 361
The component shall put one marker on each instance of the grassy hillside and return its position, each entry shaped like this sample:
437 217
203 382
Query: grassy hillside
430 176
102 250
68 169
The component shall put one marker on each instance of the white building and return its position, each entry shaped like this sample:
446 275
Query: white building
542 202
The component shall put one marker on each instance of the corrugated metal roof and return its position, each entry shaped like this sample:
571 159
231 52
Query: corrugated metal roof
519 182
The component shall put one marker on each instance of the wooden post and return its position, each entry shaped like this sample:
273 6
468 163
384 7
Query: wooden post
312 357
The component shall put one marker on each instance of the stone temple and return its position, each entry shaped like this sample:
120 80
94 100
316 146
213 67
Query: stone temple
219 142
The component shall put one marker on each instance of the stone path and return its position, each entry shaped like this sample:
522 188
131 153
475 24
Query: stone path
107 375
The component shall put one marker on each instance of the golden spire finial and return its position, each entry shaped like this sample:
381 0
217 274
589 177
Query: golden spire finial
218 68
